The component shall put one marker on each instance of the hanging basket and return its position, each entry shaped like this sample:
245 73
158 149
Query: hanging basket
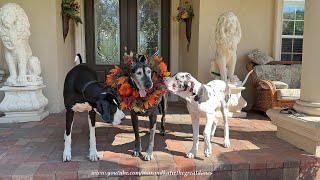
188 31
65 26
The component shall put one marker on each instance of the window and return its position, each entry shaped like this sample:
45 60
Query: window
292 30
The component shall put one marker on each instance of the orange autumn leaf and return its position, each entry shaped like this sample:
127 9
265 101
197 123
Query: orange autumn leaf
121 80
163 67
151 101
125 89
146 105
158 59
158 92
123 105
114 70
109 79
166 74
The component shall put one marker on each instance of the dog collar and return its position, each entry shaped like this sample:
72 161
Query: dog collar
86 85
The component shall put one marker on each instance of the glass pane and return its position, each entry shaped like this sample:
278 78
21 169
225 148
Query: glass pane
107 32
297 57
299 28
300 13
288 12
149 26
288 27
297 45
286 45
285 57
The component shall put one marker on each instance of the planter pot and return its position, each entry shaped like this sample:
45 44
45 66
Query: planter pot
65 26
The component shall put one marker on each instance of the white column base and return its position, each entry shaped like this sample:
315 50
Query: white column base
302 132
17 117
23 104
307 107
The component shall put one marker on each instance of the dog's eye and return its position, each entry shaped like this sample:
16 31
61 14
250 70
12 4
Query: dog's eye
139 73
148 71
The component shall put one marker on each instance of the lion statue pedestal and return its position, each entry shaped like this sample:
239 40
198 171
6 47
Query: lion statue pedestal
236 103
23 101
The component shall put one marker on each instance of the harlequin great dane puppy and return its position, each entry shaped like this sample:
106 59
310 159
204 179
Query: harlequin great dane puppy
202 100
82 92
140 76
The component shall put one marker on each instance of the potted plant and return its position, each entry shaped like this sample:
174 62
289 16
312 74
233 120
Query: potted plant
69 10
185 14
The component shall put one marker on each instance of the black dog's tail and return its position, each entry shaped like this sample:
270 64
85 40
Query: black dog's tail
78 58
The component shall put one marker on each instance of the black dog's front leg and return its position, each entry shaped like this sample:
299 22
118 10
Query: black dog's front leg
163 110
153 121
137 143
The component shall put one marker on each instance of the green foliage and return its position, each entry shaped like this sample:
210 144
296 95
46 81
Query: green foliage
71 8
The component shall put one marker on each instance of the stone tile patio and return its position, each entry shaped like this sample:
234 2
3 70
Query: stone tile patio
34 151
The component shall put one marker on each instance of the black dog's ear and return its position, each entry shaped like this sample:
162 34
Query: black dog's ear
111 95
142 58
99 107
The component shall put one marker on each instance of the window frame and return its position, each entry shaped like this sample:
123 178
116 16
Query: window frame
277 47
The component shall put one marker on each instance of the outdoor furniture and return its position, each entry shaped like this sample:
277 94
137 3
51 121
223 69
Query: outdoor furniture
276 84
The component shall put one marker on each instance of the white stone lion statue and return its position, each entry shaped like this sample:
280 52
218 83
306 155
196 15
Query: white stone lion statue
227 38
24 68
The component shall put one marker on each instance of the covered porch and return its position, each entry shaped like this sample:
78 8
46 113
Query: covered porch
34 150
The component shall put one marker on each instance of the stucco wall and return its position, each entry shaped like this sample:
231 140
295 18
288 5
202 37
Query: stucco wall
189 60
46 42
257 23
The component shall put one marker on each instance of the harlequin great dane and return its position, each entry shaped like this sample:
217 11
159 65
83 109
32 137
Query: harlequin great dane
82 92
202 100
140 77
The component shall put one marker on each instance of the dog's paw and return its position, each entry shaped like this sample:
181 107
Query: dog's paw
190 155
136 153
66 156
148 156
93 155
162 133
207 152
226 143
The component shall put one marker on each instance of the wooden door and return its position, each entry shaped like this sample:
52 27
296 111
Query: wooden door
114 27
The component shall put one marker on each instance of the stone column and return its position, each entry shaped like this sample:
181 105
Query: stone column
309 102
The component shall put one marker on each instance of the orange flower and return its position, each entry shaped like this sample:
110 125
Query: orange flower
121 80
125 89
135 94
109 79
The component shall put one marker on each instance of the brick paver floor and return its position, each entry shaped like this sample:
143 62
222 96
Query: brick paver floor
34 150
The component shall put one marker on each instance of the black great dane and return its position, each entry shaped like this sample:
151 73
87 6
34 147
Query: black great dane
140 76
82 92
